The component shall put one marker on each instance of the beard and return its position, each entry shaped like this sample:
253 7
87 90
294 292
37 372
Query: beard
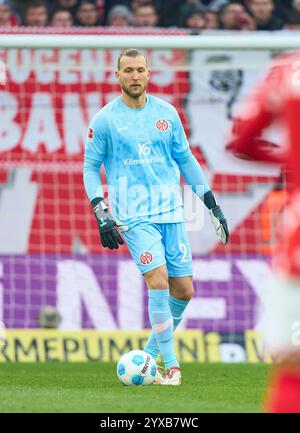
134 93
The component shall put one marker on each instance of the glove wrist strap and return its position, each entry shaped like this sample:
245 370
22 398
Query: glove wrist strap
99 206
96 201
209 200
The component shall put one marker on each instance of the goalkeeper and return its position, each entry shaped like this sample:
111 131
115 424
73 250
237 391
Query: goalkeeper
142 143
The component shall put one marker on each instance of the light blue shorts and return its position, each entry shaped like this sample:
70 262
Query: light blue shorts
152 245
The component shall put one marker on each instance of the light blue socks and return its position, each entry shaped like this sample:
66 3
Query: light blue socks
162 325
177 307
163 308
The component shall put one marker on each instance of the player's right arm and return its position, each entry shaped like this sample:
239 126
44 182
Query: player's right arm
94 155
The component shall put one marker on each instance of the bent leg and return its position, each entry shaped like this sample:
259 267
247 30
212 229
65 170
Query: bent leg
181 292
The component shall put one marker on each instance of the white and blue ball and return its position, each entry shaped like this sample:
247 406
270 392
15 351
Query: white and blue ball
136 368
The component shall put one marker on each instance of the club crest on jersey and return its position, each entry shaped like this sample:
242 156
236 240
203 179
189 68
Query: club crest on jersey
162 125
146 258
90 135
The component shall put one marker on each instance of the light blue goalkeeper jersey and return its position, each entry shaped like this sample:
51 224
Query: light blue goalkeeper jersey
142 151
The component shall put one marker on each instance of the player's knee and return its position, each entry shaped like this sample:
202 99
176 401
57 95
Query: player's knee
157 283
181 288
189 294
157 279
186 293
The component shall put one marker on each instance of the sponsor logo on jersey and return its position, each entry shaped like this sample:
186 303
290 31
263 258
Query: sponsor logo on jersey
144 148
90 135
146 258
162 125
152 160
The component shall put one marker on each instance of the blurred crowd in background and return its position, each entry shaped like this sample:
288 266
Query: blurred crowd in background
196 15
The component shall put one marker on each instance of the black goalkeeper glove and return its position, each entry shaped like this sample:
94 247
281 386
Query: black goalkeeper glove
217 217
109 235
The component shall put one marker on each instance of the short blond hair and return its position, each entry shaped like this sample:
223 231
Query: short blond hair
131 52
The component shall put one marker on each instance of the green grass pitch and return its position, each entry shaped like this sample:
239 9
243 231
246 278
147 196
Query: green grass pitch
94 387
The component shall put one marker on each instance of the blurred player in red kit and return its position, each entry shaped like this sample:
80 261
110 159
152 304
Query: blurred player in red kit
277 100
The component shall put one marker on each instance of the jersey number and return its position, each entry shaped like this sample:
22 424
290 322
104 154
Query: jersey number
185 253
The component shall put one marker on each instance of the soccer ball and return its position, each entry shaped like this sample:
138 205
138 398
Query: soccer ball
136 368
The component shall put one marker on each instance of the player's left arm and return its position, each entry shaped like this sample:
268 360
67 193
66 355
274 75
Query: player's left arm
246 141
194 176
